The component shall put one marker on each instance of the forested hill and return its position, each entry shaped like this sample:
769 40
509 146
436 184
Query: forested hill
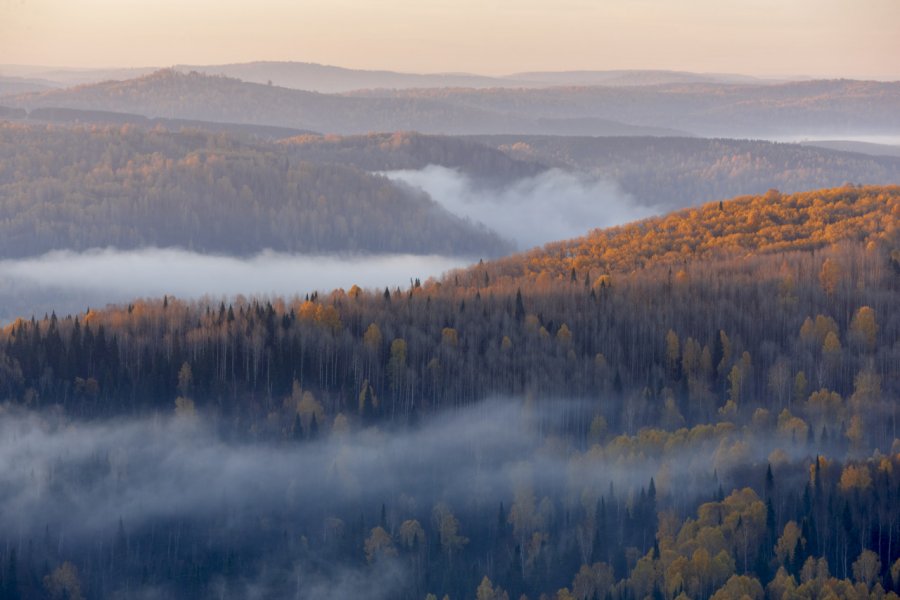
749 225
675 172
826 107
129 187
173 95
410 150
713 398
537 321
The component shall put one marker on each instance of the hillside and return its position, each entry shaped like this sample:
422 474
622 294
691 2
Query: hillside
174 95
822 107
628 77
746 226
20 85
78 188
329 79
718 417
73 116
407 150
799 255
870 148
672 173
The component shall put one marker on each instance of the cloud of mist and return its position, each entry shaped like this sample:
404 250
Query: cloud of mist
551 206
76 479
67 281
86 475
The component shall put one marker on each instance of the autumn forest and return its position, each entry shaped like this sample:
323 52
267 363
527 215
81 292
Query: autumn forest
663 362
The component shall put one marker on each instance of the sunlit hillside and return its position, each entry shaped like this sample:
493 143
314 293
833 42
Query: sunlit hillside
750 225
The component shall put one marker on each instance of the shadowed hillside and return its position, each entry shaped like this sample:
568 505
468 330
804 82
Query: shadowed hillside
79 188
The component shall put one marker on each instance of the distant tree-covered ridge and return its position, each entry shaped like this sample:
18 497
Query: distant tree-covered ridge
411 150
128 187
173 95
826 107
675 172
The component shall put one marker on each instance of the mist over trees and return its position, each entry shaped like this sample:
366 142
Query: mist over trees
704 404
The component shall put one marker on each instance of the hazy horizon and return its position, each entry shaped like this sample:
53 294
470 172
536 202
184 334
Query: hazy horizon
770 39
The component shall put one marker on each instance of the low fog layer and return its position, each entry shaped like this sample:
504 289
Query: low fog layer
70 484
65 281
552 206
83 477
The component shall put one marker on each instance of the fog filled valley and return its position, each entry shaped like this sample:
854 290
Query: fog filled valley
289 330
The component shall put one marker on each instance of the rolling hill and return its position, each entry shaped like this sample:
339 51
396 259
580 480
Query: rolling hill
174 95
672 173
820 107
331 79
77 188
409 150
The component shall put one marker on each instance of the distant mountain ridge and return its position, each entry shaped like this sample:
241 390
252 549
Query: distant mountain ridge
174 95
335 79
817 107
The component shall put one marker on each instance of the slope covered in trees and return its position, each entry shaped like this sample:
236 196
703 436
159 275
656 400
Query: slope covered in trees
705 407
128 187
747 225
678 172
408 150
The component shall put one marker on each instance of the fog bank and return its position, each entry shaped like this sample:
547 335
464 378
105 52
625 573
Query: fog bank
67 281
552 206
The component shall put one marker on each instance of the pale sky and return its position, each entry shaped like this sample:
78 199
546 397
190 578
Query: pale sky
850 38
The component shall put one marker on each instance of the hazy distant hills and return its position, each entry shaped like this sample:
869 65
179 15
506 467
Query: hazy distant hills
65 77
689 106
832 107
334 79
854 146
78 188
170 94
75 116
628 77
22 85
329 79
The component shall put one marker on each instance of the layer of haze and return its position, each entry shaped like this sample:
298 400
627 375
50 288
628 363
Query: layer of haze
84 476
67 281
851 38
552 206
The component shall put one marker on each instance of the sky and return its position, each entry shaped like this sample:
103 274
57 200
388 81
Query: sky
850 38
